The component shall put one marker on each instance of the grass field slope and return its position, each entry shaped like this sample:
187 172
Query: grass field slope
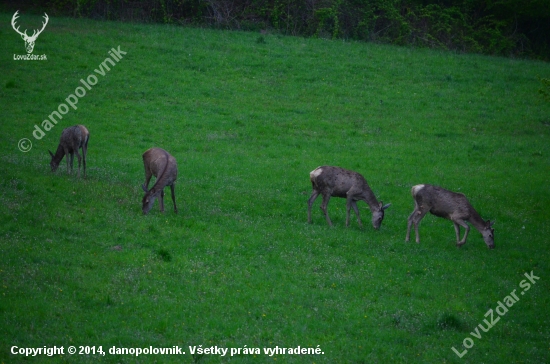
248 116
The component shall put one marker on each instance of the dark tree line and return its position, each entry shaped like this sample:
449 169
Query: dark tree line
498 27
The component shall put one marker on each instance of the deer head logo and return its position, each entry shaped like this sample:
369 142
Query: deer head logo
29 41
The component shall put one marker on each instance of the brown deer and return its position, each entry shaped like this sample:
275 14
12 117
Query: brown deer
338 182
163 166
72 139
449 205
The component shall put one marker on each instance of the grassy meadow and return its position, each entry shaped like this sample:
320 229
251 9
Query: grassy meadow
248 116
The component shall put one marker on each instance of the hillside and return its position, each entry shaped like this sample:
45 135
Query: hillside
248 116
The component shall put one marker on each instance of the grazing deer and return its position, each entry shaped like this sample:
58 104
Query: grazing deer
72 139
29 41
338 182
449 205
162 165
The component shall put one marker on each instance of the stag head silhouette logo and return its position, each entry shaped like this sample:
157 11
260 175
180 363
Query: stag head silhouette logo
29 40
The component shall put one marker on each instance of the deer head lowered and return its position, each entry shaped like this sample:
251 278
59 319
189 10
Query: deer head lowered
29 41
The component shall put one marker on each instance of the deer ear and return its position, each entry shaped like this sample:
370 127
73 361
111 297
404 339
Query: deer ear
144 188
490 223
385 206
50 153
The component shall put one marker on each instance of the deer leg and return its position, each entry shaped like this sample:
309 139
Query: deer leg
417 219
312 199
457 224
72 162
354 205
457 233
417 215
69 160
172 189
84 152
79 160
350 203
410 222
409 225
71 150
348 208
161 200
324 204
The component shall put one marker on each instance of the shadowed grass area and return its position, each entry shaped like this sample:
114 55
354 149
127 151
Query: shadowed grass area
239 265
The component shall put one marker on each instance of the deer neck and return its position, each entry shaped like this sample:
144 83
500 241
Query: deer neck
370 199
59 154
476 220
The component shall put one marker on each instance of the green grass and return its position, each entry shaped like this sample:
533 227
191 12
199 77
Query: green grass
239 265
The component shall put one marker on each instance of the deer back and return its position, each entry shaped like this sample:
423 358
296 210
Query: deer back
337 180
442 202
72 138
163 166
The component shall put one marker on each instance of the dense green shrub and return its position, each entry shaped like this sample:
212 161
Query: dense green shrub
545 88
